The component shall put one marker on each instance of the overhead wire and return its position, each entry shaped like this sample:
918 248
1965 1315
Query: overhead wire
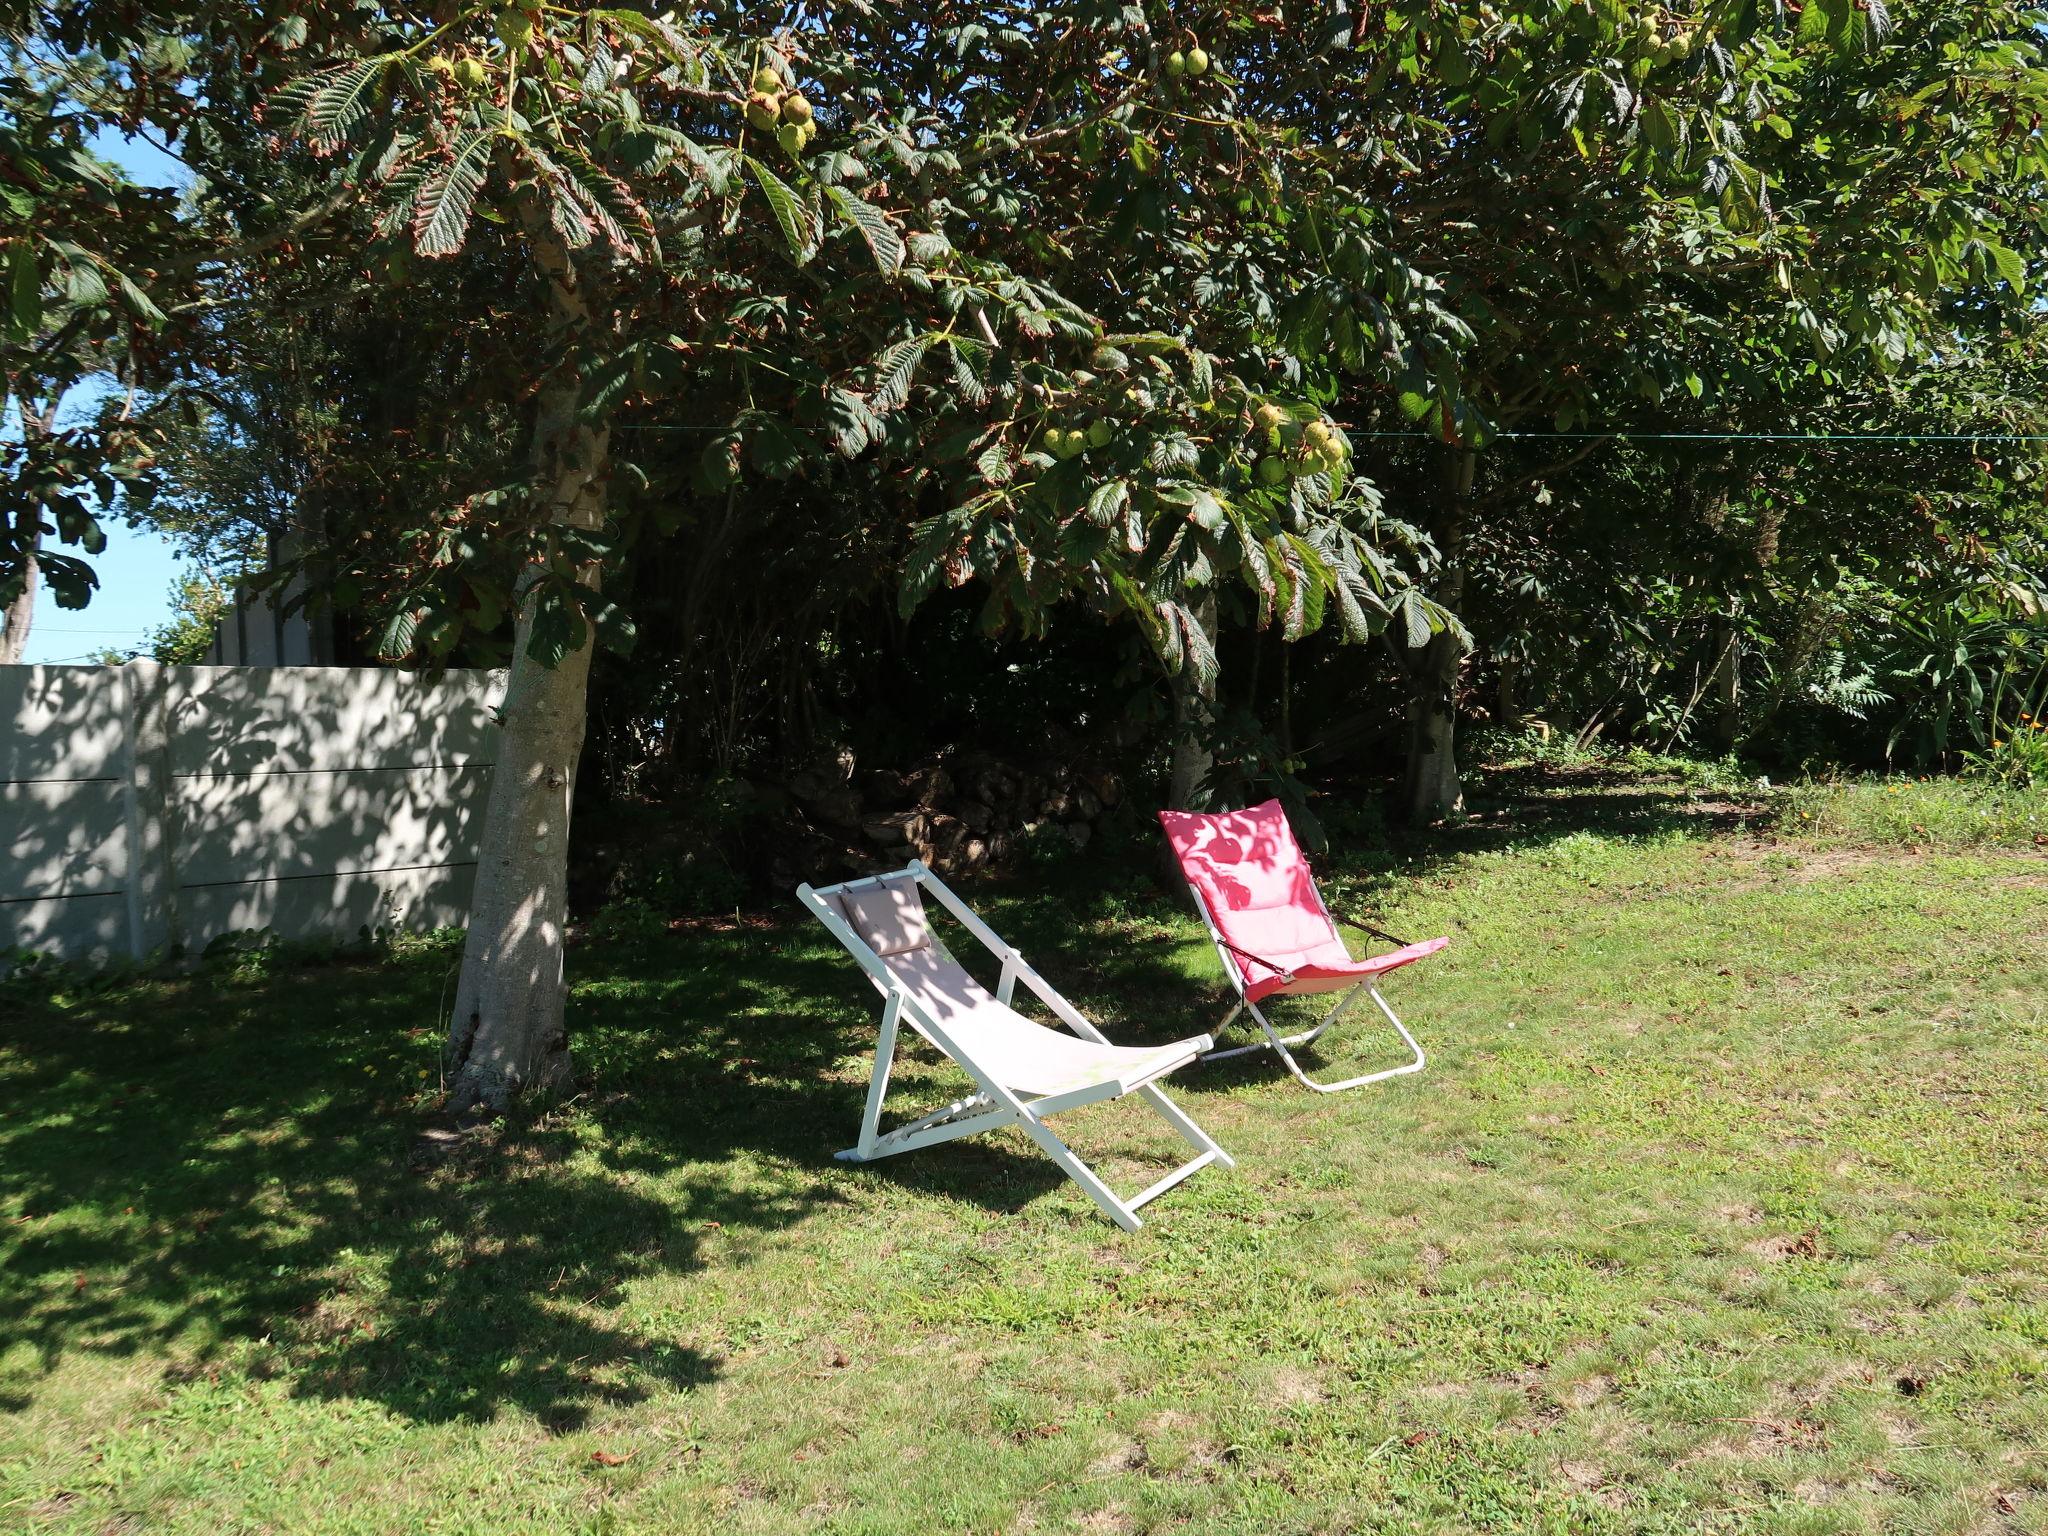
1618 434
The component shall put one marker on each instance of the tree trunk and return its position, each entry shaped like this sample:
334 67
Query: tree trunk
1286 728
36 423
20 613
1510 693
1432 788
1726 685
1194 721
507 1037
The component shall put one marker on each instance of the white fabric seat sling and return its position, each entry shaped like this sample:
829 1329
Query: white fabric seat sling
1024 1072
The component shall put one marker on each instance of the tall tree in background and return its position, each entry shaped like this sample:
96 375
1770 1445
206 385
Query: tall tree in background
1627 211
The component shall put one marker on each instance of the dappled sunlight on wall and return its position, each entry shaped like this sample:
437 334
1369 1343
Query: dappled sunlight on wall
142 805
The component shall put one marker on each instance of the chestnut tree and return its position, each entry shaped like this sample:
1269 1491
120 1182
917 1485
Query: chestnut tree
790 235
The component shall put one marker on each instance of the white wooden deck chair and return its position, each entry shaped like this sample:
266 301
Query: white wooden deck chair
1024 1072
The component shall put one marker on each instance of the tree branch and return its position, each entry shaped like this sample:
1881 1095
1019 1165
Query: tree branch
256 245
1501 492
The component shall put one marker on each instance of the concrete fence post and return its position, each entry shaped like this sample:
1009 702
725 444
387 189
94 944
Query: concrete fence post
152 809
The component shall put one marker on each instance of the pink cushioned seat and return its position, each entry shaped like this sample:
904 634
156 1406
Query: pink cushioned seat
1254 879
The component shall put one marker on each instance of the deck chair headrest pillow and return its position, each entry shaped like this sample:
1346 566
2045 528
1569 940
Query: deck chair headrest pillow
888 916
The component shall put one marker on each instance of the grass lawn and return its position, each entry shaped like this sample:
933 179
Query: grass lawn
1723 1205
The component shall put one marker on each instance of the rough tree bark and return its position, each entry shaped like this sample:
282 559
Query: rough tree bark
21 613
507 1037
1432 787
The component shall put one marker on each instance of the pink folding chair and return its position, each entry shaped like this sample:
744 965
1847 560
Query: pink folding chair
1255 893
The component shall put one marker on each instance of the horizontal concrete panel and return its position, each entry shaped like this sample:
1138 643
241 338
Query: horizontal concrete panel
72 928
272 825
63 838
339 907
232 720
61 723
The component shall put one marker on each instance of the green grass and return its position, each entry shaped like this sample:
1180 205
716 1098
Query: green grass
1916 814
1720 1207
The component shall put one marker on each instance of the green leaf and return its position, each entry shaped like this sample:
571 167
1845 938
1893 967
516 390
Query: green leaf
970 368
1416 620
896 370
993 464
1662 126
1190 649
140 304
773 447
558 627
395 643
83 284
1108 501
440 218
874 227
793 215
340 104
652 29
611 204
2010 264
70 580
1818 18
566 215
25 292
616 631
714 169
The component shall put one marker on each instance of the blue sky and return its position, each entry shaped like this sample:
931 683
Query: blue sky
137 569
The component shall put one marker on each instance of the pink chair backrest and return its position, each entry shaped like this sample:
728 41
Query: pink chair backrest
1252 876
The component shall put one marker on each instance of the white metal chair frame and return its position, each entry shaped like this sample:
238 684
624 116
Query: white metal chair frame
995 1105
1281 1044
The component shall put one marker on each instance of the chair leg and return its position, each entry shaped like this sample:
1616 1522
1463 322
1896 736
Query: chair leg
878 1082
1125 1212
995 1106
1280 1045
957 1120
966 1117
1245 1050
1308 1037
1189 1132
1116 1210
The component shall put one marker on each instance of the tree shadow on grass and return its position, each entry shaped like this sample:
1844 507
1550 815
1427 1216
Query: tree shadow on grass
210 1170
217 1173
764 1041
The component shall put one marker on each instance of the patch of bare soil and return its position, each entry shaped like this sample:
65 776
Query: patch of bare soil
1798 1245
1584 1477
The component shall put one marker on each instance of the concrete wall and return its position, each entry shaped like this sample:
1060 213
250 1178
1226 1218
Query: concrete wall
144 805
